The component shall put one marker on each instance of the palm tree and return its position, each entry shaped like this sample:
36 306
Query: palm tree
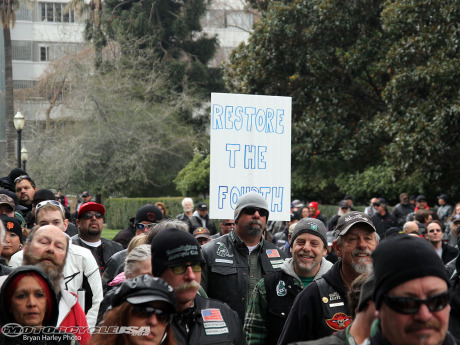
93 28
8 19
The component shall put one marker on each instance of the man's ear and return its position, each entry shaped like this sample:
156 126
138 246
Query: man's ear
336 247
66 223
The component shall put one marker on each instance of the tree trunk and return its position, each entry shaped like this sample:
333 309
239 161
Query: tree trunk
9 99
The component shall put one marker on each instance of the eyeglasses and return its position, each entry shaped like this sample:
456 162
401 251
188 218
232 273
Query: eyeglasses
142 226
411 305
433 230
251 210
48 202
88 215
375 204
146 311
180 269
228 224
22 177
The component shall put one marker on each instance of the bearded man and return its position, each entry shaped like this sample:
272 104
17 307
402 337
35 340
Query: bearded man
328 312
237 261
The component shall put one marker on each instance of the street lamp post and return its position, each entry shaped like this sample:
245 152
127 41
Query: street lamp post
24 157
18 121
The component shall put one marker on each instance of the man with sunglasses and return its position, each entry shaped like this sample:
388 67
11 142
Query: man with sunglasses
90 222
411 294
177 258
434 235
382 219
226 225
237 261
145 216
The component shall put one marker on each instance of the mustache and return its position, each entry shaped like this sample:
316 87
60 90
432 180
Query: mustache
356 252
416 326
187 286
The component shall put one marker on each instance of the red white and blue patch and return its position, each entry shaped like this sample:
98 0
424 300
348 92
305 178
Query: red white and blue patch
272 253
211 315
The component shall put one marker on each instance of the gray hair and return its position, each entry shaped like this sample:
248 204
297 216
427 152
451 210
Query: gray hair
136 255
163 225
184 200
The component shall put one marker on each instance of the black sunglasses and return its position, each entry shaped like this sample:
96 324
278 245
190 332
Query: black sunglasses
228 224
411 305
376 204
88 215
251 210
146 311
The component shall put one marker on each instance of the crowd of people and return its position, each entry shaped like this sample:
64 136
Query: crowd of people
372 277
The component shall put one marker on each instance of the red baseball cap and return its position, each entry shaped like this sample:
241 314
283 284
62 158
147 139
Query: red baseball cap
90 206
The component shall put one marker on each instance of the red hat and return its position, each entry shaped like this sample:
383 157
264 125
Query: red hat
90 206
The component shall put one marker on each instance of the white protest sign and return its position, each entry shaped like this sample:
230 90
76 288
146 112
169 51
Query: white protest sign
250 150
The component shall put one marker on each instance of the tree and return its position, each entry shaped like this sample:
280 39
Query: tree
359 73
173 30
8 19
194 178
119 133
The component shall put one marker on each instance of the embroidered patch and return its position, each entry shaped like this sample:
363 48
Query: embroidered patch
339 304
211 315
224 261
223 251
216 331
339 321
281 289
214 324
272 253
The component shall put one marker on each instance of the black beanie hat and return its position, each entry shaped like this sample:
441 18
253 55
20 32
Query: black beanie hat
148 213
174 247
401 258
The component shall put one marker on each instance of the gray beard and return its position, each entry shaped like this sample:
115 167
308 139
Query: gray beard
53 271
252 230
362 267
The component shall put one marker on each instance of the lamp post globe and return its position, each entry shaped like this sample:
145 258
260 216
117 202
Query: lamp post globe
24 157
19 122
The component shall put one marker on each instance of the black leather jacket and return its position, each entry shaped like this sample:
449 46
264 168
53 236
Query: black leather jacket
226 275
208 322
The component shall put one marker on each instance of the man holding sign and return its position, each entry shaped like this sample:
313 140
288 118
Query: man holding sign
236 261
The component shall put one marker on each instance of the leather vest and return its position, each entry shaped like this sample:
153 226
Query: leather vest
281 290
335 313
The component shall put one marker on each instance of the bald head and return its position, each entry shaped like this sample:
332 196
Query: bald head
47 241
410 228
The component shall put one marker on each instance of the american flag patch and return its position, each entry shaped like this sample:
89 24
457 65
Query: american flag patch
211 315
273 253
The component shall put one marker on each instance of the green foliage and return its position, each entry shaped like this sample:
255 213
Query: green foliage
375 89
194 178
173 30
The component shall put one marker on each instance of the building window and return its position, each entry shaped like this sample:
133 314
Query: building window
55 12
44 53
